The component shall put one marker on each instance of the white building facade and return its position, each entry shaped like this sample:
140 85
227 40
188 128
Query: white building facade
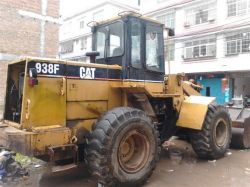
211 42
75 34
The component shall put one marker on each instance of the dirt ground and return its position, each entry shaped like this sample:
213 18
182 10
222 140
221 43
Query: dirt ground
231 171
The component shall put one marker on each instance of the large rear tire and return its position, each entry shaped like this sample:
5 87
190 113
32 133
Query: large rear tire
214 139
123 148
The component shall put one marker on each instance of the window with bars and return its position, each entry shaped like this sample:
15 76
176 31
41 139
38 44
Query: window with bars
83 42
82 24
202 13
200 48
238 43
201 17
67 47
167 19
238 7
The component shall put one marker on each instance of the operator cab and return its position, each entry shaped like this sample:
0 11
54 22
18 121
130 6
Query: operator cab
133 42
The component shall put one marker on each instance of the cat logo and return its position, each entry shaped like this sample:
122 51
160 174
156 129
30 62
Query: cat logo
87 73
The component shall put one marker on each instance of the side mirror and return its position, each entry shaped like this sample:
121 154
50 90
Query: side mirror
33 77
168 32
171 32
92 55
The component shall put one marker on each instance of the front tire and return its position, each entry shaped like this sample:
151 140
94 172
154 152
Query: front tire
123 148
214 139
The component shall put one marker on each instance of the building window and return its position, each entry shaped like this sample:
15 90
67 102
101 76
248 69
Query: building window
98 16
169 51
200 14
167 19
82 24
238 43
200 48
83 42
67 47
238 7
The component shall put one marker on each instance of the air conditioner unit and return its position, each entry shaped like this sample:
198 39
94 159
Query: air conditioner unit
186 24
211 19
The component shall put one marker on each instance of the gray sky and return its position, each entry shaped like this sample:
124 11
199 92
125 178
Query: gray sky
71 7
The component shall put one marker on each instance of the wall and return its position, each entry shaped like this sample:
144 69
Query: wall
70 27
152 6
28 28
215 89
221 86
221 25
21 34
3 73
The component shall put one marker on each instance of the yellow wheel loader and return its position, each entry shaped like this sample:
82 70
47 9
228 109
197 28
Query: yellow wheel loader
112 113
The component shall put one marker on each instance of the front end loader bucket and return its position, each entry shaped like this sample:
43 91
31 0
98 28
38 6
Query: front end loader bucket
241 135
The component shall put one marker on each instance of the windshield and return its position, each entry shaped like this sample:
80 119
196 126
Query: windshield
110 40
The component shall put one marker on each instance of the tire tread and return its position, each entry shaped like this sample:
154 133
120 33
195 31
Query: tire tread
202 140
97 153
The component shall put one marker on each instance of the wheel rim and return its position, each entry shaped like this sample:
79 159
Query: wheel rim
221 133
133 151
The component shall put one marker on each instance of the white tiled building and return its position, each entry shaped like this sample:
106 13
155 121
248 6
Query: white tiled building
75 34
212 42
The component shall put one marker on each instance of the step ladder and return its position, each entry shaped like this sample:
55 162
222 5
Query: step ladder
61 153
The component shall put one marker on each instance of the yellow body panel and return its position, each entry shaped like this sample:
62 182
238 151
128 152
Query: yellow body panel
150 88
35 142
87 90
44 104
114 96
86 109
88 99
45 138
193 111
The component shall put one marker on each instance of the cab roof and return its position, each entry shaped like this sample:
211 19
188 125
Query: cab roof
124 15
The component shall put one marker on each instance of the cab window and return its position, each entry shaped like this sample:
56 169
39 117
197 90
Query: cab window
110 40
154 49
100 42
136 43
